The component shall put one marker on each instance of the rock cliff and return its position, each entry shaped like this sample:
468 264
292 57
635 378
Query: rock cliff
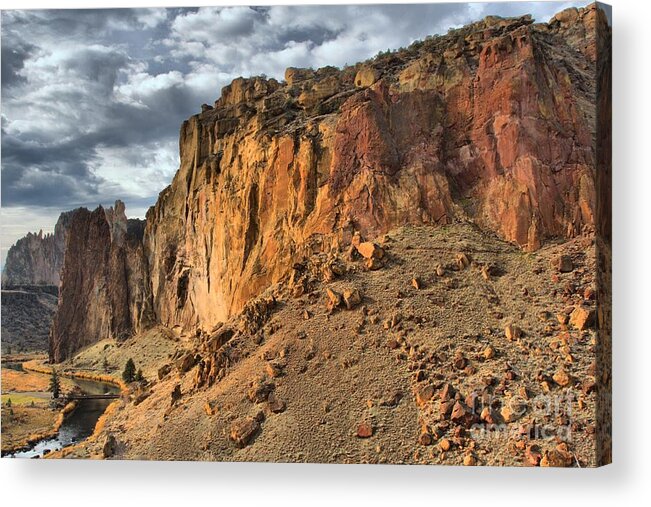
36 259
104 291
494 123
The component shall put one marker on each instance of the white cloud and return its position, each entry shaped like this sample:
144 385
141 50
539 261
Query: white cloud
136 174
141 85
151 18
215 25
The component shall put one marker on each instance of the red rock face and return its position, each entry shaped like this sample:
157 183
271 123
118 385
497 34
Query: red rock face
494 123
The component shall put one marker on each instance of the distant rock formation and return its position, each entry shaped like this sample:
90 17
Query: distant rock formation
36 259
30 282
494 123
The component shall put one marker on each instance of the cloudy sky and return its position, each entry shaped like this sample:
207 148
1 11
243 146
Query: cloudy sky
92 100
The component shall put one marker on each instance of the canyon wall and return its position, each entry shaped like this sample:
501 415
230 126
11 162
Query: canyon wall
493 123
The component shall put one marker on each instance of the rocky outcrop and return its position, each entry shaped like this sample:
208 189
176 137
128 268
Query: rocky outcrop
36 259
104 284
493 123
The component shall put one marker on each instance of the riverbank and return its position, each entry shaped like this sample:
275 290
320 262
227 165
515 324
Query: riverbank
39 366
29 418
104 362
28 414
79 450
24 426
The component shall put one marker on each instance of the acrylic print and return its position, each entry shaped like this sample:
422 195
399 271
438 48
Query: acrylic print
325 234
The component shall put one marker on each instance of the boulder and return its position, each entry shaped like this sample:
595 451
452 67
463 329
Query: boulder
559 457
424 394
164 370
373 264
260 390
274 368
512 332
562 378
244 430
425 438
352 297
462 414
110 447
533 455
334 299
176 394
364 430
583 317
276 405
370 250
366 76
563 264
469 460
187 362
462 261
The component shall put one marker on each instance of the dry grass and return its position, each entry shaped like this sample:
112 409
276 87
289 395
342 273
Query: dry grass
39 366
26 425
14 381
149 350
17 381
19 358
101 422
24 399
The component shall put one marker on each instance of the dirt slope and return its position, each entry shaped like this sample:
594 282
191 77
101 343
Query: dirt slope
382 367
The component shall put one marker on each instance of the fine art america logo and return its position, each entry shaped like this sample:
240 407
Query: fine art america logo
544 417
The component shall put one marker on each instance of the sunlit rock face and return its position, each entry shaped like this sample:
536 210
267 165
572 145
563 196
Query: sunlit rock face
493 123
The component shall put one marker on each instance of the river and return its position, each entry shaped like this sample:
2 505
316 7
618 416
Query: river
78 425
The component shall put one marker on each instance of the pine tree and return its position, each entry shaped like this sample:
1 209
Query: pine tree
55 384
139 376
105 365
129 373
